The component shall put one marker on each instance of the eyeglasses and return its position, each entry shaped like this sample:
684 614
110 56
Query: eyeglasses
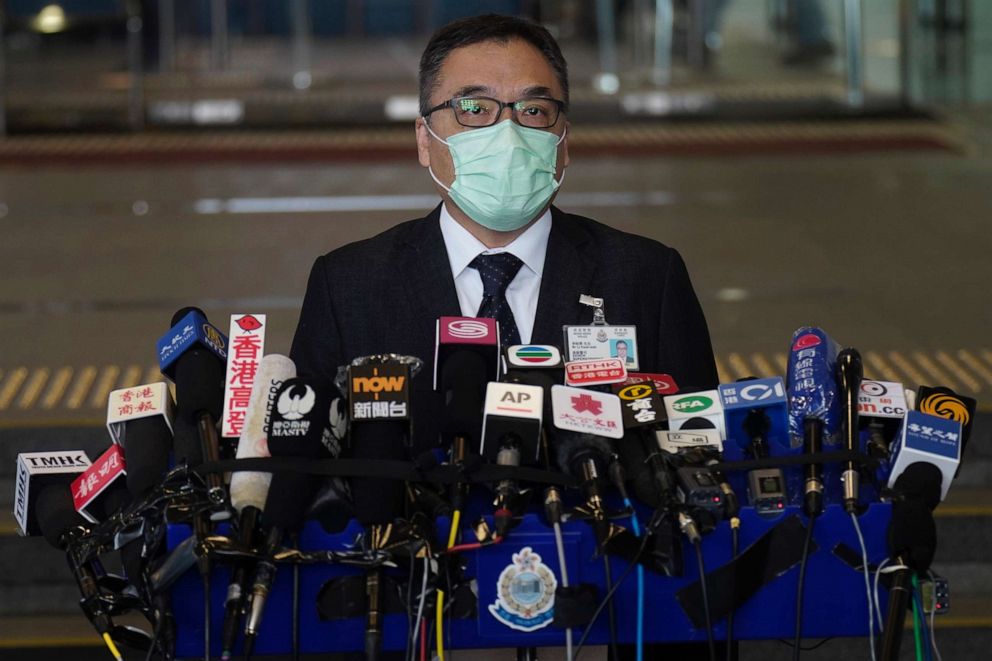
536 112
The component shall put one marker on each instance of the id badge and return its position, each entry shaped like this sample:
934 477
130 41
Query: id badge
599 342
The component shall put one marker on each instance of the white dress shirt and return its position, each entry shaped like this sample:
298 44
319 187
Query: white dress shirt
522 292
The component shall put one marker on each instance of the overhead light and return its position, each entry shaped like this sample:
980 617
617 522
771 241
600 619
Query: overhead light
49 20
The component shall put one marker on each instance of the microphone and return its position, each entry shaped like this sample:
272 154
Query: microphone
511 435
931 440
298 419
58 521
813 490
945 403
247 341
463 379
881 408
139 420
34 472
755 413
100 490
587 457
250 489
813 396
849 374
379 394
193 354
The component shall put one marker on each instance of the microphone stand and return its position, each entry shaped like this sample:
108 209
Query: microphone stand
899 596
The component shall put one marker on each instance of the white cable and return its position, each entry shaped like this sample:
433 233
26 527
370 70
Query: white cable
560 543
878 609
420 608
933 613
867 573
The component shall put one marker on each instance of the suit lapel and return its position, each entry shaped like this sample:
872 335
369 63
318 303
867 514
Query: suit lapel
424 263
569 267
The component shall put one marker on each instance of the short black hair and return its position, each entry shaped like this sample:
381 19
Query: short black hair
488 27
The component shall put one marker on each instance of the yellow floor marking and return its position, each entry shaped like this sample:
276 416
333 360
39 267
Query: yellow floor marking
152 375
11 386
721 371
739 366
957 370
987 355
783 362
764 367
108 379
131 376
33 387
940 377
84 381
56 388
915 378
883 368
971 361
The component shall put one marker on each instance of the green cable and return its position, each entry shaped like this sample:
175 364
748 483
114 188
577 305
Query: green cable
916 626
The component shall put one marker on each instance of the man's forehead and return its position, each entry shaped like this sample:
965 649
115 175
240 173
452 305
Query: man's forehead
493 68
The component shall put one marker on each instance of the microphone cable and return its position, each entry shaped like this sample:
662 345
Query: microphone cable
735 542
698 545
867 573
609 595
611 616
797 639
456 519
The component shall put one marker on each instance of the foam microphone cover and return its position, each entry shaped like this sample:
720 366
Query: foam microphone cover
573 448
248 488
146 443
56 513
634 458
378 501
186 446
199 377
299 417
464 377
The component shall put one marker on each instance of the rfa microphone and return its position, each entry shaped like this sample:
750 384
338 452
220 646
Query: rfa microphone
849 375
193 354
37 470
140 420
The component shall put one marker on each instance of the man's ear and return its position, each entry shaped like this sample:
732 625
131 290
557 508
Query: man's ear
423 142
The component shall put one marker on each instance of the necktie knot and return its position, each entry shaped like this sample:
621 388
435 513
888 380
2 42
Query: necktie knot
497 271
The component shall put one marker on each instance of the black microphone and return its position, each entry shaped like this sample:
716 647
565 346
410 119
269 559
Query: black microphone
813 490
193 354
58 522
912 541
34 472
140 421
298 419
379 396
849 374
463 380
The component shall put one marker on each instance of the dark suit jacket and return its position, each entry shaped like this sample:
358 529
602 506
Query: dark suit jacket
384 295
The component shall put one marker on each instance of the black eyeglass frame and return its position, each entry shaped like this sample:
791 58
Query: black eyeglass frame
450 103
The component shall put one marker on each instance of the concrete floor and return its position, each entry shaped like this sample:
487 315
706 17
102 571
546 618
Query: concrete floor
884 250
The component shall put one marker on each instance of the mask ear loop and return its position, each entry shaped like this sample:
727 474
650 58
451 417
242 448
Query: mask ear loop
430 170
558 181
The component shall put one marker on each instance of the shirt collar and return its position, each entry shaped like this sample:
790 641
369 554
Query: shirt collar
530 247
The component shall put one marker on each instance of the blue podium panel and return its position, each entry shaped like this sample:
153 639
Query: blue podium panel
512 592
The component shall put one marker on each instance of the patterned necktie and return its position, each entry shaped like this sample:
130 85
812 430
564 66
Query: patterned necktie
497 271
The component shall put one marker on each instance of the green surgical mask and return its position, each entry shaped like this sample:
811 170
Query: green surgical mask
504 173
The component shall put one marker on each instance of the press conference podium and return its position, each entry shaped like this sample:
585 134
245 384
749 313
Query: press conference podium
835 603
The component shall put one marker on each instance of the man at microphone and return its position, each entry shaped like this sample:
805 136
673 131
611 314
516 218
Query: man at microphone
493 138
